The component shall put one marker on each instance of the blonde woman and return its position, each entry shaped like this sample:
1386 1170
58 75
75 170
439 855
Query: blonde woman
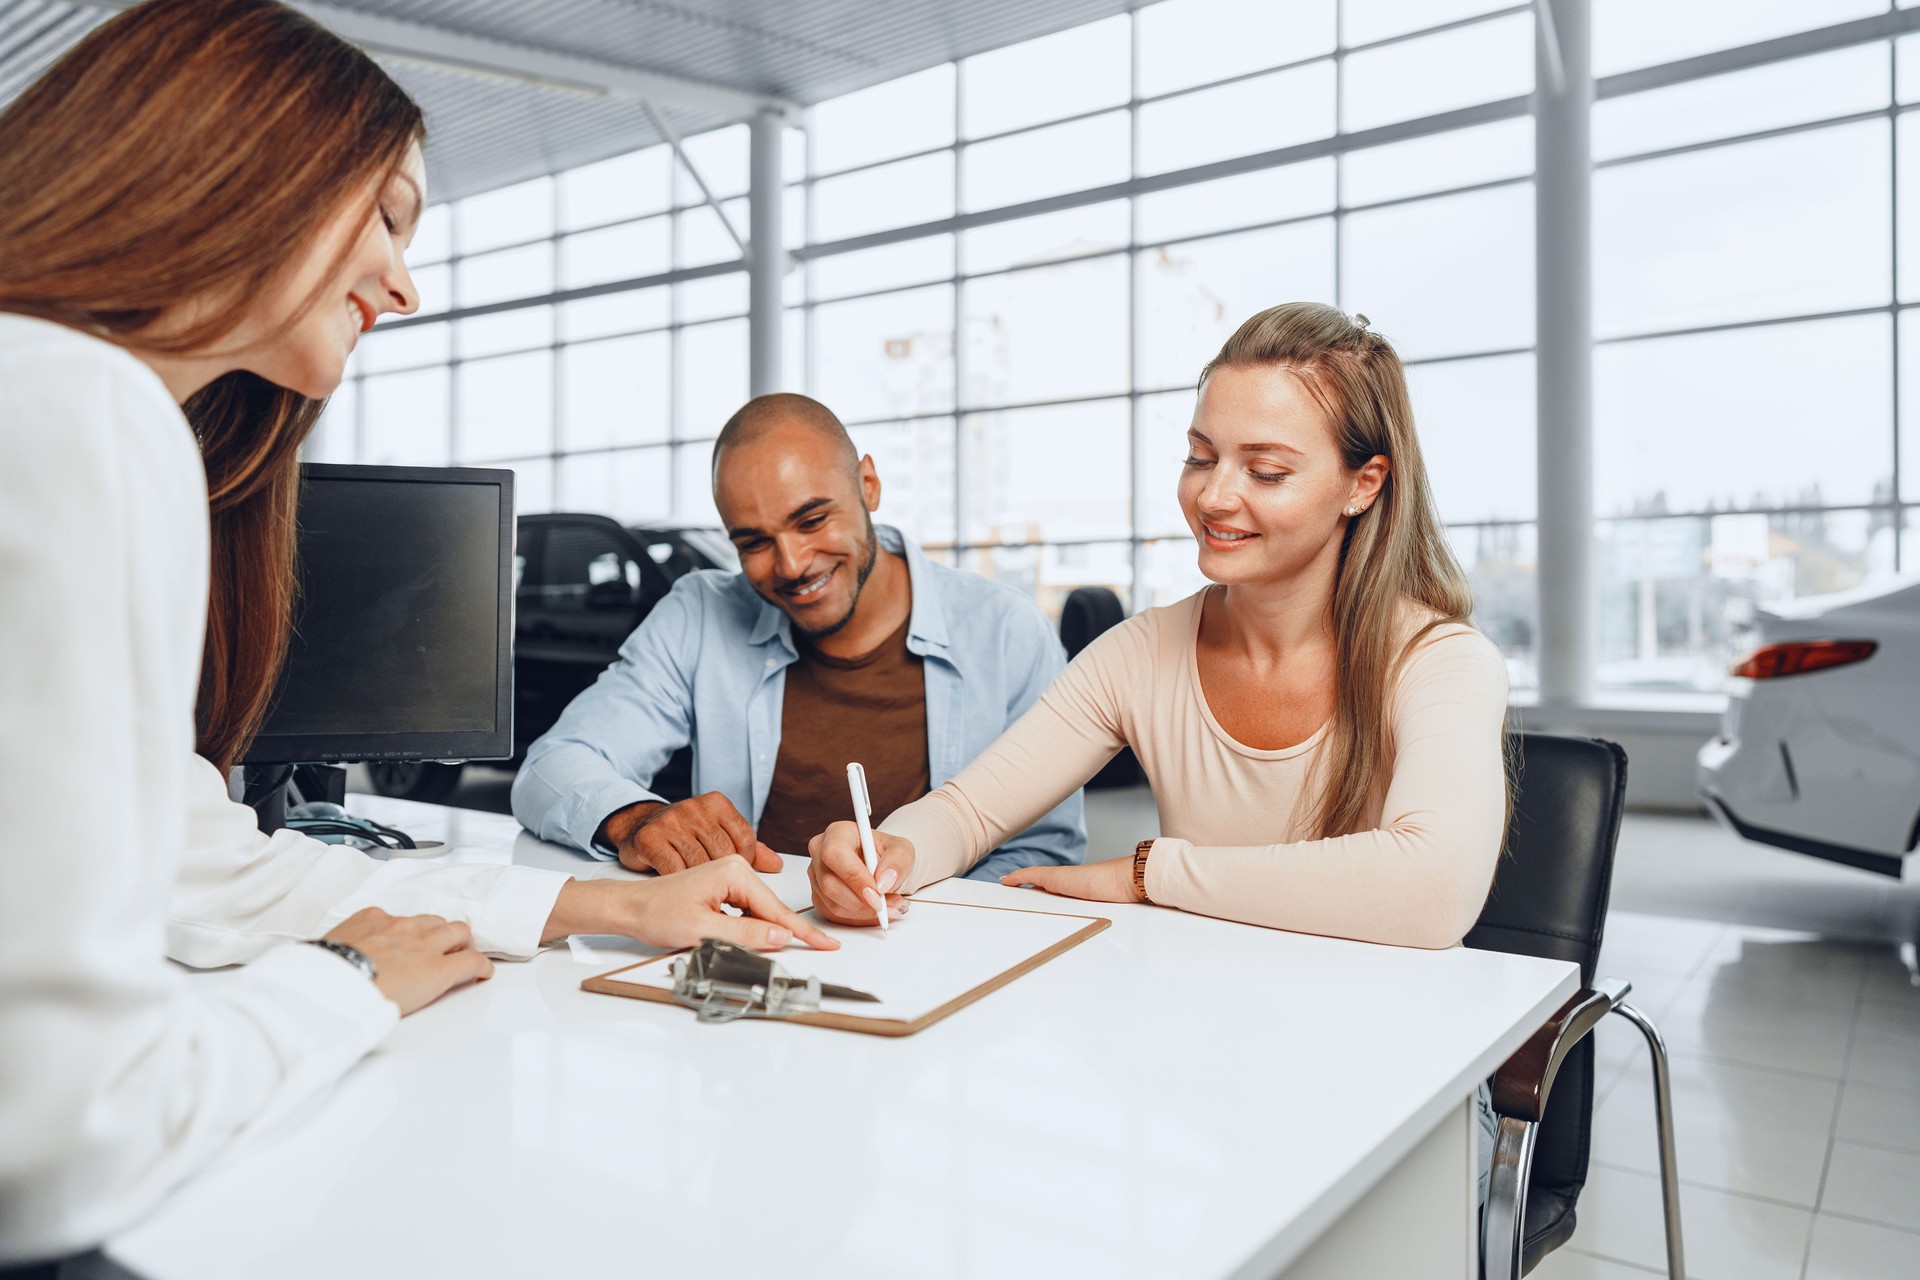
1322 725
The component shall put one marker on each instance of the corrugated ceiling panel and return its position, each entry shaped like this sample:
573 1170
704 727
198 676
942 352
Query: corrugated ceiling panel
802 50
33 33
489 130
483 133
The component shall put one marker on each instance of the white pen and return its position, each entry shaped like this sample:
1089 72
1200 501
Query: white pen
862 807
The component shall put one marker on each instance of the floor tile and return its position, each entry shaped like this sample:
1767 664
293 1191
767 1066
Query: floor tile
1748 1023
1736 1127
1726 1236
1845 1250
1890 1062
1789 964
1876 1183
1682 866
1886 1117
1890 1019
1569 1263
1645 945
1889 982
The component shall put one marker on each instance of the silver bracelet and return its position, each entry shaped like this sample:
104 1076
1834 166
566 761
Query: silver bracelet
352 955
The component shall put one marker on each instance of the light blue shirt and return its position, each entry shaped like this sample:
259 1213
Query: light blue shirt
709 665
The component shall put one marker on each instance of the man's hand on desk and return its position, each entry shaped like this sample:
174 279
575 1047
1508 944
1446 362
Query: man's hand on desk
672 837
843 892
680 911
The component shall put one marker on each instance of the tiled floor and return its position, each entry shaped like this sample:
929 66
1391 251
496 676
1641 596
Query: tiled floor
1794 1031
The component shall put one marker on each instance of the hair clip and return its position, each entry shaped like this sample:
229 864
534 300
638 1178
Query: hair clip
1361 320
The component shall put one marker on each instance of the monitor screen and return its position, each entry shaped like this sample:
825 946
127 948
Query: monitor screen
403 626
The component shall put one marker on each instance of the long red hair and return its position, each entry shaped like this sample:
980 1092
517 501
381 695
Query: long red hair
197 149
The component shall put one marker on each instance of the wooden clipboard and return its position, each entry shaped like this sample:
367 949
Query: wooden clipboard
605 984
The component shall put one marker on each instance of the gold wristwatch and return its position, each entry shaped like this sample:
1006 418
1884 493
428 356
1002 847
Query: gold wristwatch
1140 852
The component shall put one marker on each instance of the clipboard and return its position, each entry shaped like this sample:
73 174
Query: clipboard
958 958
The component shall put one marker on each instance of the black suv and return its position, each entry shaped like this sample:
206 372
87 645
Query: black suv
582 583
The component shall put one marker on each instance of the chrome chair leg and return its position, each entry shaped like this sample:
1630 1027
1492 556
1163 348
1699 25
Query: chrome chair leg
1506 1215
1663 1117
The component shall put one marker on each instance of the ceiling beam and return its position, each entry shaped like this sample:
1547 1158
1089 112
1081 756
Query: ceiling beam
459 52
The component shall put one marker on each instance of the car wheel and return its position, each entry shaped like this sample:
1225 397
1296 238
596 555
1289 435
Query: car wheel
415 779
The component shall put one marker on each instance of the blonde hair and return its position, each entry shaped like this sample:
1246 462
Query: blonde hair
1393 553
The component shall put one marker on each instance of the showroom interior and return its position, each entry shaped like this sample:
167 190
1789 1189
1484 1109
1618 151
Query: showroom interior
1647 267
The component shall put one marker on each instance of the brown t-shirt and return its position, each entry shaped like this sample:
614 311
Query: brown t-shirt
873 709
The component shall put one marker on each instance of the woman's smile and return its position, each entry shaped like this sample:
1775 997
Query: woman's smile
1224 538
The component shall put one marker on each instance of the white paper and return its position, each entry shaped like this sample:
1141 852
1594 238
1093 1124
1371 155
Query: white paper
937 952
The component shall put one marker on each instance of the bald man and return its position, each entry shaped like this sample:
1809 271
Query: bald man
837 641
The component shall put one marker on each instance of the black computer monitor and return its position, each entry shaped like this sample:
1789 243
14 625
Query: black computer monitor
402 647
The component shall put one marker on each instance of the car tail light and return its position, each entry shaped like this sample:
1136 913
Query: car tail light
1798 657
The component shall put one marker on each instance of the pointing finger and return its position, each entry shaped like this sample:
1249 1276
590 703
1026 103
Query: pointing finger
753 896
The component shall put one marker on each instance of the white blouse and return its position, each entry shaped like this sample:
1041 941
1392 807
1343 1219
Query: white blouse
119 846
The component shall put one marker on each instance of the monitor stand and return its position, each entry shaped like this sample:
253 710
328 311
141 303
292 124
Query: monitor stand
269 789
266 788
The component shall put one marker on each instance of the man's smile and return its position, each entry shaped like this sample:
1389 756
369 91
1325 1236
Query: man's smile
810 590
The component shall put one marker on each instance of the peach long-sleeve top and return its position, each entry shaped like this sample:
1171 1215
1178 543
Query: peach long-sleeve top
1234 820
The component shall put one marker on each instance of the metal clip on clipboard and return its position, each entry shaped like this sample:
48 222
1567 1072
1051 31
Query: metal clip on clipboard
720 982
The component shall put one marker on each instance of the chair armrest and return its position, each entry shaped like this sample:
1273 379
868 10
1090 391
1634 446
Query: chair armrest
1521 1085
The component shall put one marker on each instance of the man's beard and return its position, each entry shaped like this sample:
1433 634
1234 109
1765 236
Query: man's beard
859 584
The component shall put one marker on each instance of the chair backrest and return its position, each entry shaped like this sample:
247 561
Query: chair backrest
1550 899
1087 613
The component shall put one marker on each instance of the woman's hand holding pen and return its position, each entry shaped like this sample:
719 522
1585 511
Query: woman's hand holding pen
843 892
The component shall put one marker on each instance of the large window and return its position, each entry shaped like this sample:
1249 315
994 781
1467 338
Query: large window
1747 403
606 401
1054 238
1079 222
1013 267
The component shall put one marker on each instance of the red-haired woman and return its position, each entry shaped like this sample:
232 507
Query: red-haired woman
202 207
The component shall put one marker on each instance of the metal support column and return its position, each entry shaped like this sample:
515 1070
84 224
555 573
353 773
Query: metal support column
1563 307
766 255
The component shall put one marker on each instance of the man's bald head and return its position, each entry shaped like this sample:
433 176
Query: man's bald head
779 413
797 502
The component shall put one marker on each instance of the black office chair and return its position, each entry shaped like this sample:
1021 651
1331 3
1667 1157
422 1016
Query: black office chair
1086 615
1550 899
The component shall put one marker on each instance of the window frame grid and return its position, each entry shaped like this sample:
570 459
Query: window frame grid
1888 27
1770 52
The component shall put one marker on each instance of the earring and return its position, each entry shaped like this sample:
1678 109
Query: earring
1353 511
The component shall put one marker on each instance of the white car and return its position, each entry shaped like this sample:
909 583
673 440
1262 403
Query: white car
1820 750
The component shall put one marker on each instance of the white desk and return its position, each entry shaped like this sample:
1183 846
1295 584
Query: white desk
1113 1113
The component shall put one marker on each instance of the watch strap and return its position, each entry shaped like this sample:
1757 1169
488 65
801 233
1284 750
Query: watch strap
1140 852
352 955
